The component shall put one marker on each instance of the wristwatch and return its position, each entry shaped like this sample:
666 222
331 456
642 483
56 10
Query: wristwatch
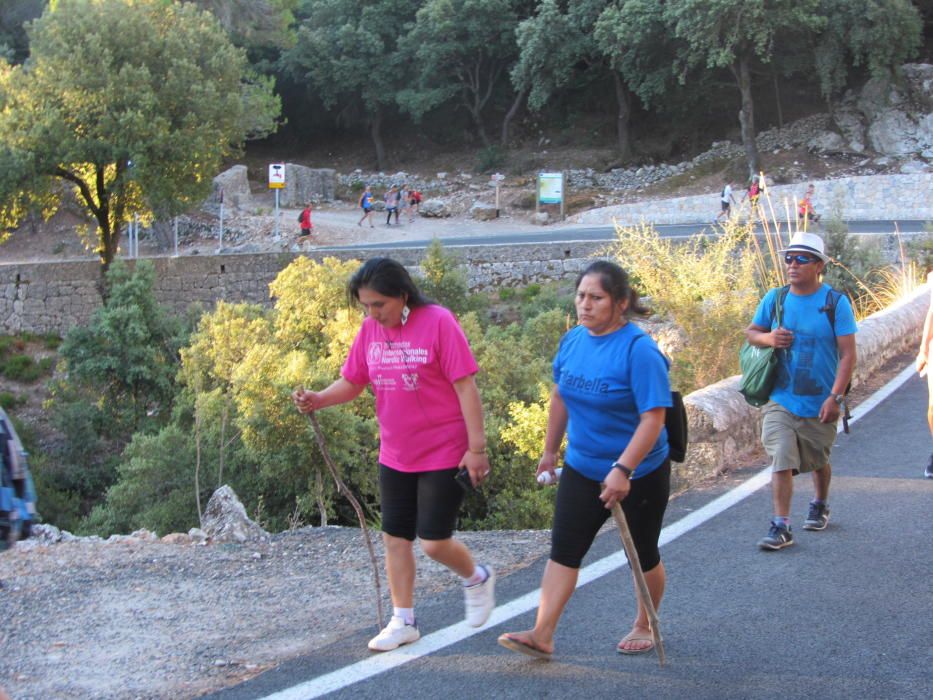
622 468
839 398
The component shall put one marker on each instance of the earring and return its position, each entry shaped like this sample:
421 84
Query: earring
405 312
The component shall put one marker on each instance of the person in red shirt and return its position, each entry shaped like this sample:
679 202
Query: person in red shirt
805 212
304 220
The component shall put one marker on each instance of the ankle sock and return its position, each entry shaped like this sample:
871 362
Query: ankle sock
407 615
818 502
479 575
781 521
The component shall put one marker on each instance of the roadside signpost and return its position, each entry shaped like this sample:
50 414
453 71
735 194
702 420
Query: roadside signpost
276 182
550 191
494 181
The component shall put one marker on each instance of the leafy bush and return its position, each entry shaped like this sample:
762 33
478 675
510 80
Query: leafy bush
444 280
21 368
9 401
490 158
919 250
128 352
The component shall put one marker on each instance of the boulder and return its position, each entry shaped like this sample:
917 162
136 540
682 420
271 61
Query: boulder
826 142
197 535
483 211
893 133
176 538
303 185
918 78
541 218
225 519
849 122
914 166
435 209
234 186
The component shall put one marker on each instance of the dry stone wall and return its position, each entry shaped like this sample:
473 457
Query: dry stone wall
53 297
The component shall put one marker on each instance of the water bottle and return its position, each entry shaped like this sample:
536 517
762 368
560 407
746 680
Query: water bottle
545 478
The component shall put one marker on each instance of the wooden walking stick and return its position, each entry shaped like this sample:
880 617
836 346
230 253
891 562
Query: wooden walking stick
644 595
342 488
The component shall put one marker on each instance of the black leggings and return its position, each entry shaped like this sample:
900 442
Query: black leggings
425 504
579 514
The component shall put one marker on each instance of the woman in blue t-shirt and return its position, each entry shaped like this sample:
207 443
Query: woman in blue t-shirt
610 395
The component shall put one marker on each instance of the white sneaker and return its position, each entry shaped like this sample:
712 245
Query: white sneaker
480 599
394 635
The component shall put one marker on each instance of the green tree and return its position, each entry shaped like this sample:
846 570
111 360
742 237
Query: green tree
734 35
253 23
558 47
878 35
462 49
133 104
128 352
634 35
347 50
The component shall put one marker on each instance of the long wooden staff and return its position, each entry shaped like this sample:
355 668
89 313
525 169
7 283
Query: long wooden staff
643 594
342 488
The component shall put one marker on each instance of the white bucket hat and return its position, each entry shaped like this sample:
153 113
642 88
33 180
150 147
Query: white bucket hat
806 243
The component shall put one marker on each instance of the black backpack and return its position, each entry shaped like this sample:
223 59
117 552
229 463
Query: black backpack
675 418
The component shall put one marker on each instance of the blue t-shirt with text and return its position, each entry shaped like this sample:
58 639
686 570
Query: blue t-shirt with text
604 396
807 369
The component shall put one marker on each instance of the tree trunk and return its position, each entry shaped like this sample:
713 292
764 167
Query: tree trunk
777 99
624 101
747 113
477 115
375 130
510 115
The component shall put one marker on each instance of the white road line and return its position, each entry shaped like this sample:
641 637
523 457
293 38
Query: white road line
374 665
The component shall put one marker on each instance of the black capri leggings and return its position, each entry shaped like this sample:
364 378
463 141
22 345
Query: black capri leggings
425 504
579 514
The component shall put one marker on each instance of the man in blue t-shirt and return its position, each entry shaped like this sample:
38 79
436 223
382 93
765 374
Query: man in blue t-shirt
816 340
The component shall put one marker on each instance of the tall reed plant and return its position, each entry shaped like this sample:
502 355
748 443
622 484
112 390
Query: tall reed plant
706 286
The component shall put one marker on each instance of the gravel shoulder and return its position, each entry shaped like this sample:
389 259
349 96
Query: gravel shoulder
154 620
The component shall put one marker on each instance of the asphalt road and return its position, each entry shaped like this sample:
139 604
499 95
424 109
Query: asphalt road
582 232
844 613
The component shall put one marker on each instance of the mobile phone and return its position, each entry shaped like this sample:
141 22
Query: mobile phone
463 478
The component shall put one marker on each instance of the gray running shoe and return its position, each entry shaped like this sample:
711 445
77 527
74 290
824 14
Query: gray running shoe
778 537
817 517
928 472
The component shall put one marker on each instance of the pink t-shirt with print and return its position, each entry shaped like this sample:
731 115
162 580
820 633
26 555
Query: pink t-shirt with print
412 369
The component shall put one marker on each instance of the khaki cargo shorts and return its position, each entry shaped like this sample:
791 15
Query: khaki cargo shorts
792 442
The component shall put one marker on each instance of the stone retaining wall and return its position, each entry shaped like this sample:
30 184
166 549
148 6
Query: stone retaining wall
53 297
724 429
873 198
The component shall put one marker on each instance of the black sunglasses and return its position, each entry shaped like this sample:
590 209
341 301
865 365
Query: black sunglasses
801 259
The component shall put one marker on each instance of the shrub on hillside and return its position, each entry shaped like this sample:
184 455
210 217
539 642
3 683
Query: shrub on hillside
706 285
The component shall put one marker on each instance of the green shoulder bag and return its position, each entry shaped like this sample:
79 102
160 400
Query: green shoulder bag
759 365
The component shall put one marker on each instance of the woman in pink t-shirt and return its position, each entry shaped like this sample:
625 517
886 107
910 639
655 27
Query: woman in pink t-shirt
418 362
